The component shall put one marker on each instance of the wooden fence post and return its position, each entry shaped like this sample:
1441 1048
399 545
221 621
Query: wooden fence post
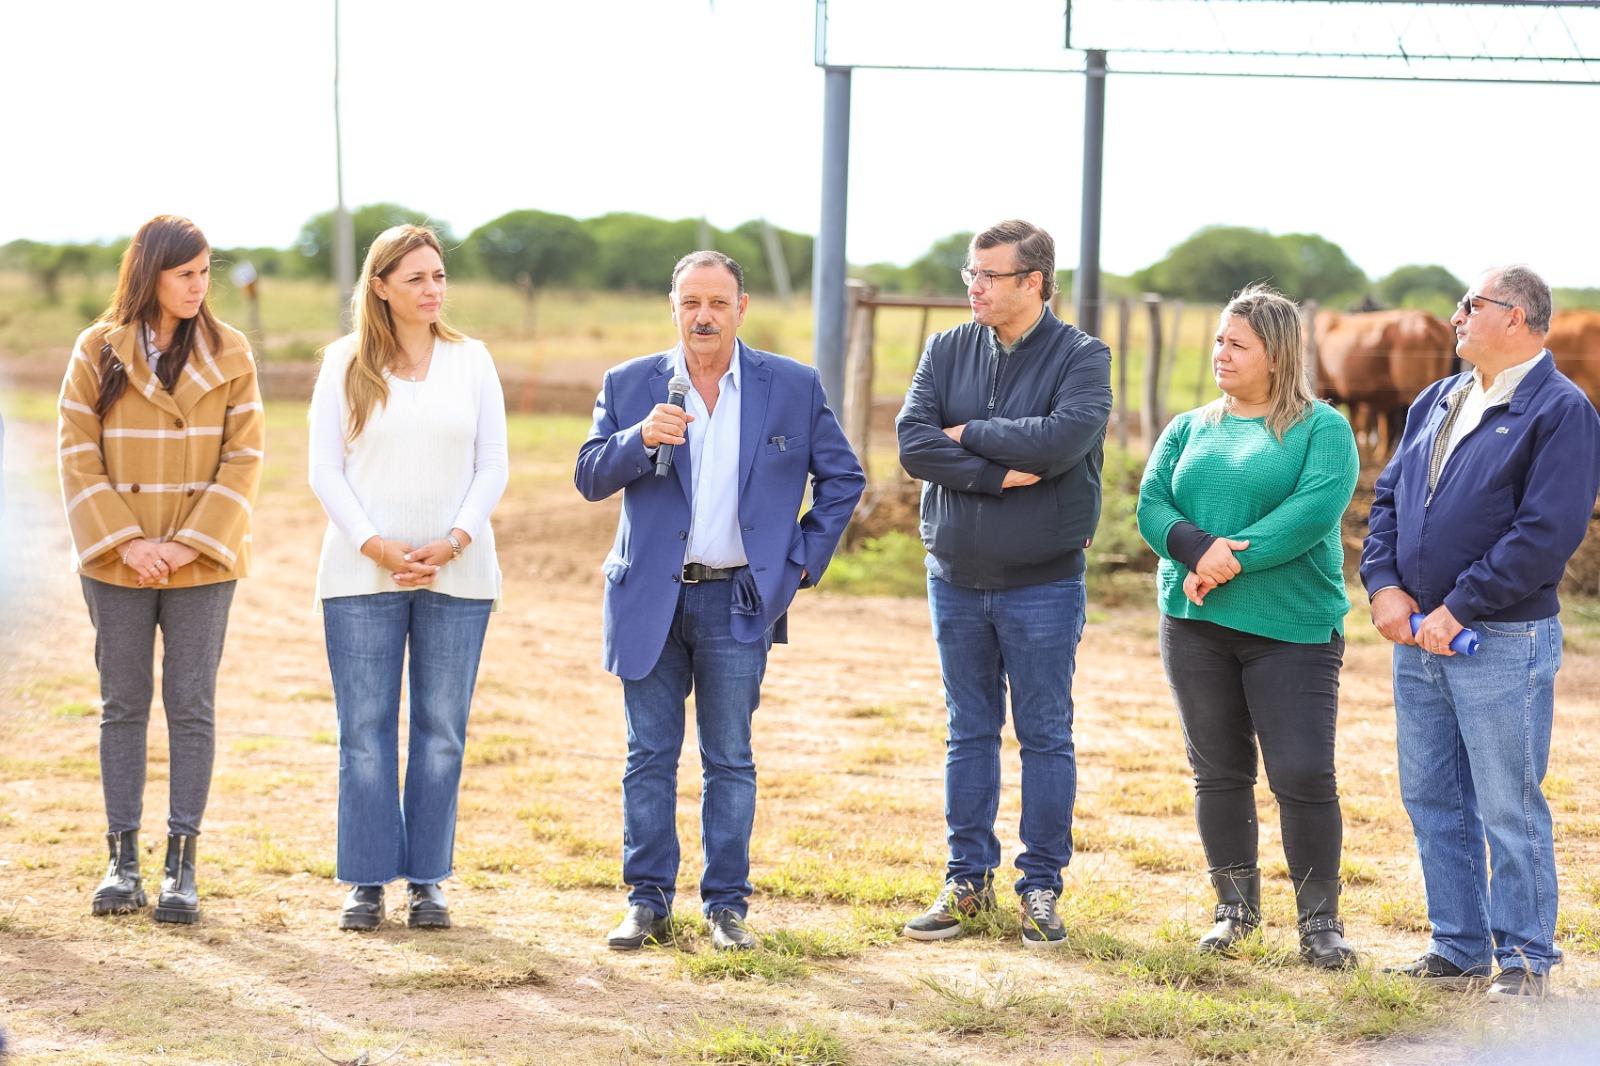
859 365
1124 314
1150 421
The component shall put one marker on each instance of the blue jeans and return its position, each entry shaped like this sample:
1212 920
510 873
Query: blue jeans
1026 637
702 656
1474 740
383 836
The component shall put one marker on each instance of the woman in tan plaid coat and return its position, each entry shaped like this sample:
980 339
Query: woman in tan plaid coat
161 438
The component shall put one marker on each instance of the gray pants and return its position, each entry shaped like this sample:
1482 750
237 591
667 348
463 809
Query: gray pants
193 622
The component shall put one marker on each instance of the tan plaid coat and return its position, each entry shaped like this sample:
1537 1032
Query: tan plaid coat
181 465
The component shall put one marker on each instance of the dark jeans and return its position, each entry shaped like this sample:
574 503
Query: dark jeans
1234 689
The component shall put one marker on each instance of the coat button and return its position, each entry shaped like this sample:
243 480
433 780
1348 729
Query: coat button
178 422
134 489
676 577
683 534
189 493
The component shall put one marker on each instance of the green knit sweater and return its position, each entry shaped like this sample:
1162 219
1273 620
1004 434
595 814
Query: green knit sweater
1234 479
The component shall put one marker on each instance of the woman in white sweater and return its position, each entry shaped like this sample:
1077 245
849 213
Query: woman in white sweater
408 456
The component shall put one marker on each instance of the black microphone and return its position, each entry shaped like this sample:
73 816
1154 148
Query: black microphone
677 392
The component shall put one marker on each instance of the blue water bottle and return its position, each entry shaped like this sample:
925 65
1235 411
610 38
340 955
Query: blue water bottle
1465 642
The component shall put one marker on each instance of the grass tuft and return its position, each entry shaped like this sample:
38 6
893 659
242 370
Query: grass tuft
746 1045
742 966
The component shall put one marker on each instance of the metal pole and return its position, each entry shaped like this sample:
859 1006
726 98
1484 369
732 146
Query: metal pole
828 272
344 240
1094 146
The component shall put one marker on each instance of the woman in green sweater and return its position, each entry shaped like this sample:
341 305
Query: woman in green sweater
1242 499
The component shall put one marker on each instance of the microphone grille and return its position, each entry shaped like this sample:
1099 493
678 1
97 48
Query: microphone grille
679 385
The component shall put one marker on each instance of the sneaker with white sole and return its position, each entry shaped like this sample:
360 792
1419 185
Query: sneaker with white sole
1041 926
956 900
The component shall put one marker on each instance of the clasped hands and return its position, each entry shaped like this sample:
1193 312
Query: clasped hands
1014 479
412 567
1392 609
1217 566
156 561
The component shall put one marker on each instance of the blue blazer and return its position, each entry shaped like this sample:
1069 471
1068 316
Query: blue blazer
787 437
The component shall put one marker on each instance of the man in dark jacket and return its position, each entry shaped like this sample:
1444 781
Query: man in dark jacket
1472 524
1004 424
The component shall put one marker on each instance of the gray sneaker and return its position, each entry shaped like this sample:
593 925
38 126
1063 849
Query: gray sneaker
1041 926
956 900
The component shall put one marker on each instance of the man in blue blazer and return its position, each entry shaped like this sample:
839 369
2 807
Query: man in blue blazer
709 552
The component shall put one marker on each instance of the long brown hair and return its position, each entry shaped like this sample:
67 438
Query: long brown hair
164 242
376 346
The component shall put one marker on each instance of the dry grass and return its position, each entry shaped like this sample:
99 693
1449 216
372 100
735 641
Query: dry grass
848 845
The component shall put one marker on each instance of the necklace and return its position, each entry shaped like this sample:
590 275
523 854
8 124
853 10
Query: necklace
410 372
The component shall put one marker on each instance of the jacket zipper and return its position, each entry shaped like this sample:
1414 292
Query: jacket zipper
994 382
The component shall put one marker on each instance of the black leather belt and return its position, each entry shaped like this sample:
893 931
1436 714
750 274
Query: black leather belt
694 573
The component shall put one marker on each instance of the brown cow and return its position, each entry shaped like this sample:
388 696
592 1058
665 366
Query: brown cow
1574 340
1377 362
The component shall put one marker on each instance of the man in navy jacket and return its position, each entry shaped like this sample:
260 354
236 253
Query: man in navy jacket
1486 498
1004 422
708 554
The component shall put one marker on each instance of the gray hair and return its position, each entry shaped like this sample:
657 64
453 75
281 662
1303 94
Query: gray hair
1036 249
1527 290
707 257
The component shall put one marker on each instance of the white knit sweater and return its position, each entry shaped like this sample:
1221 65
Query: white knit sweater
433 458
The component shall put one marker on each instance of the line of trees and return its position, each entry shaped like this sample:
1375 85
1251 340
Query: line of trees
537 249
632 252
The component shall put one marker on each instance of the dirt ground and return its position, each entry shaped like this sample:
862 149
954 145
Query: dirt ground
849 747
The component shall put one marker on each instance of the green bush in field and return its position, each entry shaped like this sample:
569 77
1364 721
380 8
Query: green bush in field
315 242
549 249
1117 544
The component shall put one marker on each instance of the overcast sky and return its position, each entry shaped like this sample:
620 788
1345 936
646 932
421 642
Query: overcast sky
222 111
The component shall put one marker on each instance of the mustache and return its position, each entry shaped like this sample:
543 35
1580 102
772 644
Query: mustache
705 329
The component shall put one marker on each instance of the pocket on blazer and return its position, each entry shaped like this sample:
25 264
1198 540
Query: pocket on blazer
615 568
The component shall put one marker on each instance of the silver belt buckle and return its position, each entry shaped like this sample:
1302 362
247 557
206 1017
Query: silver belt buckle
687 580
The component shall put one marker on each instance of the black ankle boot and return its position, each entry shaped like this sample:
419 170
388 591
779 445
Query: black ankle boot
1322 942
121 892
179 901
1238 910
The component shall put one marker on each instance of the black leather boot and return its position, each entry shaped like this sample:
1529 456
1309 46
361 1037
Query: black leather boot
1238 910
121 892
179 901
1322 942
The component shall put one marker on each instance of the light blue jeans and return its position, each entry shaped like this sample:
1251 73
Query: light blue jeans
703 656
382 835
1026 638
1474 741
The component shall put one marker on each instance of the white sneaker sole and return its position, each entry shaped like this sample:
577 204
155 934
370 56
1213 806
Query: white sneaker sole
931 934
1044 943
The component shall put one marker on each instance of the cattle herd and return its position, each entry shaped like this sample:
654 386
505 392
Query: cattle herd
1376 362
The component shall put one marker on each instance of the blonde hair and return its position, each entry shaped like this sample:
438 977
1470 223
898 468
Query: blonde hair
1274 318
376 345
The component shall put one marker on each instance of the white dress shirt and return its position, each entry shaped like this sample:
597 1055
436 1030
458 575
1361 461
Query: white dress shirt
713 436
1480 400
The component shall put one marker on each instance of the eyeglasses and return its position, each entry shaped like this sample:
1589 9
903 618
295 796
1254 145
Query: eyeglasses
987 277
1466 308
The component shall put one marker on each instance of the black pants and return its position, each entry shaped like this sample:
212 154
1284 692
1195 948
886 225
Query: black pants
1234 689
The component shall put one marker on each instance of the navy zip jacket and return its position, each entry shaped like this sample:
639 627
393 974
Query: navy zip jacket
1041 409
1492 538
